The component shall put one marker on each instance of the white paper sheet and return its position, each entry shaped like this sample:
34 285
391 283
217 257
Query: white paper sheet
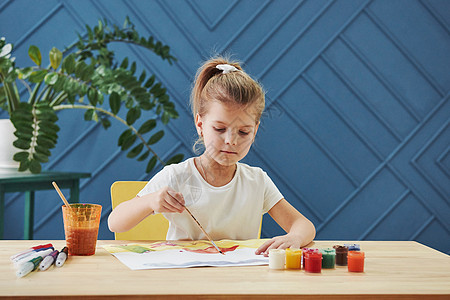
176 256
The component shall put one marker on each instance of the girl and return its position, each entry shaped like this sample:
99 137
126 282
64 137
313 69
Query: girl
226 197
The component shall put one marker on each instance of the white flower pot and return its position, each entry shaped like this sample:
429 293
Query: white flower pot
7 150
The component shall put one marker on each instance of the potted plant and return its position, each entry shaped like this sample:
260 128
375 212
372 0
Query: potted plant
88 77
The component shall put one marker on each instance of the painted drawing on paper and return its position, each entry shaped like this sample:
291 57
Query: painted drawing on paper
185 254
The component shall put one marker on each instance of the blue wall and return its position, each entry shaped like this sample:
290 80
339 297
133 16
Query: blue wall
356 134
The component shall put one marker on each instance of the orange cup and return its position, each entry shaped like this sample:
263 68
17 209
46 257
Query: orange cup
81 222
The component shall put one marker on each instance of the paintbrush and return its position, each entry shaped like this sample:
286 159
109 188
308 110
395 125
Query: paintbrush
203 230
200 226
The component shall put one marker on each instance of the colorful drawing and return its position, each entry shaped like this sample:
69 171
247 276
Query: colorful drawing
183 254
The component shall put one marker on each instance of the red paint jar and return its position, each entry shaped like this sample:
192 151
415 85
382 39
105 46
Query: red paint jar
304 251
313 262
355 260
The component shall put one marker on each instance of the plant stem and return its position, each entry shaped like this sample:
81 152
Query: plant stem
33 95
10 94
75 106
44 93
59 99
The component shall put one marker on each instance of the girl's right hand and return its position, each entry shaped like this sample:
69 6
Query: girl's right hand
168 200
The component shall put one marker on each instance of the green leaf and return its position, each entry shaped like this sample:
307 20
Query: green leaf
89 114
132 115
128 142
135 151
38 76
175 159
24 164
35 55
21 156
150 82
51 78
127 133
106 123
142 77
151 164
133 67
90 34
144 156
114 102
92 96
45 142
156 137
156 88
165 118
40 157
99 97
45 114
42 150
69 64
48 126
21 115
25 72
147 126
25 127
124 63
35 166
55 57
23 135
49 136
80 67
172 112
22 144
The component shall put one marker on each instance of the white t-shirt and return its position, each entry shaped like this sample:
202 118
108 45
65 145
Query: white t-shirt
232 211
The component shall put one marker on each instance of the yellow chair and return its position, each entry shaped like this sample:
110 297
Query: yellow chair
151 228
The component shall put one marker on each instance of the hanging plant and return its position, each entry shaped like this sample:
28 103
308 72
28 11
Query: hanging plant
83 79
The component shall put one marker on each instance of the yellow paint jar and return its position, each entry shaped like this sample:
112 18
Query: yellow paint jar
293 258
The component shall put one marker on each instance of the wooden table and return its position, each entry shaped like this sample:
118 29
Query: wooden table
29 183
401 270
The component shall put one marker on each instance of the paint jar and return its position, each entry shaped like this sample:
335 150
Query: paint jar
81 223
353 247
313 262
328 258
307 250
277 258
304 250
293 258
341 255
355 261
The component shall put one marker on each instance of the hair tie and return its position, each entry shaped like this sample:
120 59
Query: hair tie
226 68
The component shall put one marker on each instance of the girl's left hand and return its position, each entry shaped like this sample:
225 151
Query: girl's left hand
280 242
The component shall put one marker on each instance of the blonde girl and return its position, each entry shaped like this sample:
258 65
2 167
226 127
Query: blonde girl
227 197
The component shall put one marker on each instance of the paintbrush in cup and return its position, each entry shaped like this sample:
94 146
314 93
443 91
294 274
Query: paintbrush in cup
61 194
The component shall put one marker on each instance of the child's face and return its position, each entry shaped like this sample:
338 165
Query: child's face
228 131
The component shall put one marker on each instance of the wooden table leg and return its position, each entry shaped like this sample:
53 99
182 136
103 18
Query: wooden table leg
29 216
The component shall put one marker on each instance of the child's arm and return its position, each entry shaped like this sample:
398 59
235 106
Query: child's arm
130 213
300 230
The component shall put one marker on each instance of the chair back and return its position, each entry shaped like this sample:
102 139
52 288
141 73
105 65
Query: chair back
153 227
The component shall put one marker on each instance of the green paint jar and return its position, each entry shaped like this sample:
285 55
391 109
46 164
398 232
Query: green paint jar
328 258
